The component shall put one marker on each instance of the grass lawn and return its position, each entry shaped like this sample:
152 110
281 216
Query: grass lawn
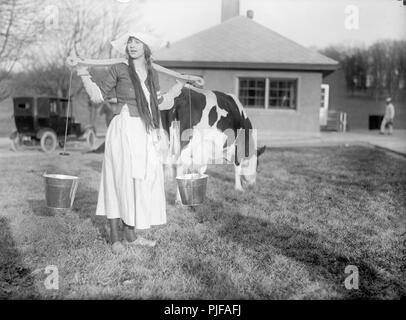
313 212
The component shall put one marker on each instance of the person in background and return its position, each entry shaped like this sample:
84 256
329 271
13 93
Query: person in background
387 121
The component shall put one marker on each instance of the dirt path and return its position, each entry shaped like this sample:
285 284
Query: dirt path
27 151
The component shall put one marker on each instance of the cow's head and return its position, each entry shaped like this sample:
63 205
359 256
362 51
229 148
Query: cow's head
248 156
249 168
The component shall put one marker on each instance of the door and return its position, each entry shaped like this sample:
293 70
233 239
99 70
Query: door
63 108
24 115
324 104
54 114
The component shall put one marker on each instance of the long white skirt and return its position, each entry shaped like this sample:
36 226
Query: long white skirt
132 179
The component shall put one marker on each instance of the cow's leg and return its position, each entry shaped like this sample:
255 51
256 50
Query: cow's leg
170 170
202 169
179 172
237 172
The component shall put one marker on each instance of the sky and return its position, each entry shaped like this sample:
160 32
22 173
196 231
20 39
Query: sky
312 23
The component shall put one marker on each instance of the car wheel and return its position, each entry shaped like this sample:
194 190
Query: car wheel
48 141
91 139
15 141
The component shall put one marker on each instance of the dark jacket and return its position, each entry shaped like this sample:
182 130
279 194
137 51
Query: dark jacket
118 78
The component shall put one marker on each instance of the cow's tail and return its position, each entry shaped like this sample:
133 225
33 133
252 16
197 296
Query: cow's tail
174 136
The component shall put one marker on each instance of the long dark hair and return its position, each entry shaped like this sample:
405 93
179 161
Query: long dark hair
151 83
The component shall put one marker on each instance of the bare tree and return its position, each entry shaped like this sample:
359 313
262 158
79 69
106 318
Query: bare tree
19 25
86 28
396 68
378 70
334 52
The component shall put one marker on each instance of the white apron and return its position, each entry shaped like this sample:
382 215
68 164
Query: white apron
132 179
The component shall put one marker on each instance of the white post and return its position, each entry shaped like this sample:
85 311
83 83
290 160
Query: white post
345 122
266 93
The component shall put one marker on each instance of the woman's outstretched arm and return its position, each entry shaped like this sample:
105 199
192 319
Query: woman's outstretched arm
95 92
196 80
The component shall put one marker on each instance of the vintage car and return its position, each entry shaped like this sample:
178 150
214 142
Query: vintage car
42 120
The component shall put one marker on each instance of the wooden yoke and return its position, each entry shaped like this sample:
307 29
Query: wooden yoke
73 61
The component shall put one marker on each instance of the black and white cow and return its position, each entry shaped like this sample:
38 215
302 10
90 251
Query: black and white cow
212 128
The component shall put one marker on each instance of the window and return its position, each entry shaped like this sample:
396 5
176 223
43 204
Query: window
53 107
282 93
24 106
252 92
268 93
324 96
64 107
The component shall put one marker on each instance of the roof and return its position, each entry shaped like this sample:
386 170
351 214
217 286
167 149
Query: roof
242 43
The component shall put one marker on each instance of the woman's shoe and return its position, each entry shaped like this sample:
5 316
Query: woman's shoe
117 247
140 242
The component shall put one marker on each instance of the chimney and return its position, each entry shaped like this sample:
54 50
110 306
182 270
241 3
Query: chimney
250 14
229 9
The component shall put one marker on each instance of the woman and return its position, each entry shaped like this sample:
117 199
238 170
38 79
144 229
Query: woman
132 180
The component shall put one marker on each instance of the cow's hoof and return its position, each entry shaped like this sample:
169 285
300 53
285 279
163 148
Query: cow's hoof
239 189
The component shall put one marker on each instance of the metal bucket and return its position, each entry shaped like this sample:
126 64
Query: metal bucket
60 190
192 188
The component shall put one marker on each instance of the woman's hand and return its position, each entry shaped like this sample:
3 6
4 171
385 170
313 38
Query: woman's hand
180 83
195 81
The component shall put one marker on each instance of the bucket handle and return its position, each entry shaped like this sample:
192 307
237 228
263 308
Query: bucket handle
73 191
